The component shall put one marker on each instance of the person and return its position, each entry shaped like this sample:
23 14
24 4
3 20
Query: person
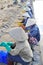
22 53
33 32
33 28
34 36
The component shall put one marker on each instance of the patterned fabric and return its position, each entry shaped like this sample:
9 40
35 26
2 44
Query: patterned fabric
33 40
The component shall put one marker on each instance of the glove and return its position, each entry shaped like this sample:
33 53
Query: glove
4 44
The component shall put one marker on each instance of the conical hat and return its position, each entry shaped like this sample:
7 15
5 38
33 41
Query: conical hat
26 14
30 22
18 34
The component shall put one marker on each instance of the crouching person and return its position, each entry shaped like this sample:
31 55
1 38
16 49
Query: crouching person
34 35
22 53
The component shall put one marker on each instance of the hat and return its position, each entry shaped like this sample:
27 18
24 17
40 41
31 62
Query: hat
26 14
18 34
30 22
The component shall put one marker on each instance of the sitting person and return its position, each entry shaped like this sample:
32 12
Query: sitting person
32 30
22 53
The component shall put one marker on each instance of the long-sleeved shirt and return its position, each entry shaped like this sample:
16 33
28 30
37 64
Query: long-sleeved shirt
22 46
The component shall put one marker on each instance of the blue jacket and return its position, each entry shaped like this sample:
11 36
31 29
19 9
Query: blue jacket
34 31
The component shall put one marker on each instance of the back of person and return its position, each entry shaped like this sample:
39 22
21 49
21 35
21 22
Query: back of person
22 46
34 32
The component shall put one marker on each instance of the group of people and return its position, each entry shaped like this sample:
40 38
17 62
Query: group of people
25 49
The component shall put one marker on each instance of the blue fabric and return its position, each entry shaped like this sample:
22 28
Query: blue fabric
18 59
34 31
31 9
30 12
3 57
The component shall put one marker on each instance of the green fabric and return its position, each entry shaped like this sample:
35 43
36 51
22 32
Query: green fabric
9 43
6 45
